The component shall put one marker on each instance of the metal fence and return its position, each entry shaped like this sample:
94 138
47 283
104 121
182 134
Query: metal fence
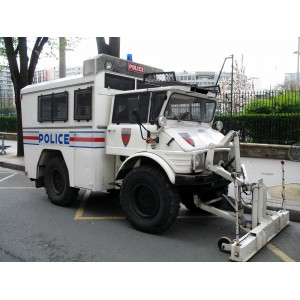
271 117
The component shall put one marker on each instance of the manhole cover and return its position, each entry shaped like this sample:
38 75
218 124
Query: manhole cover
292 191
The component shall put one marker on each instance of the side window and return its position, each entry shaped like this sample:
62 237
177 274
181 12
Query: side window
157 102
53 107
83 104
119 82
144 85
124 105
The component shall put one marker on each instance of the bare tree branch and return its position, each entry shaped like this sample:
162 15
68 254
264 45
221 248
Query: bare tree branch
12 59
37 49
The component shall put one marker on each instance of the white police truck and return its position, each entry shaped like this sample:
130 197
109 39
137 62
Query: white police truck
132 128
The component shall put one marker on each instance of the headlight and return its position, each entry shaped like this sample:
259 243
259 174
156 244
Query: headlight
219 125
196 160
162 121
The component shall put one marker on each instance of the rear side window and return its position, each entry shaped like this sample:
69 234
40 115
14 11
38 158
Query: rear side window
83 104
119 82
124 106
53 107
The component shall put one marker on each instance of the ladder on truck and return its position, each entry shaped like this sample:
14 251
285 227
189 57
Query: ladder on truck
263 224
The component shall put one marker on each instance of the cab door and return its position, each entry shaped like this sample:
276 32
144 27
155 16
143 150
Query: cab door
124 134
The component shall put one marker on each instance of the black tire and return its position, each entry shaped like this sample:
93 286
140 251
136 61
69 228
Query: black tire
294 152
150 202
57 183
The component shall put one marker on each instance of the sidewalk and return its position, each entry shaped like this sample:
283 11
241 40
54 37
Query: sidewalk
270 170
10 159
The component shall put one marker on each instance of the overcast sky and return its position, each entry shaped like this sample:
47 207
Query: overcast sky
265 58
189 35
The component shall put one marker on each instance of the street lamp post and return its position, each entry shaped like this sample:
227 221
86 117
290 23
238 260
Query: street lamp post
298 52
231 85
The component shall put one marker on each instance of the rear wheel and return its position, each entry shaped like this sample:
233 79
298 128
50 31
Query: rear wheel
57 183
149 201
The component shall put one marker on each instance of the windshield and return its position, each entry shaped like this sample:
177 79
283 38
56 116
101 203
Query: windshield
189 108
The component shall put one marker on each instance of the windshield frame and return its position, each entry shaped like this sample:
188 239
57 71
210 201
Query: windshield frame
186 111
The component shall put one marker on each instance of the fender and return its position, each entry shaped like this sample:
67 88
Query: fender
130 162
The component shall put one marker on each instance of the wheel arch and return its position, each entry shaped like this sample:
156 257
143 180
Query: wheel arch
45 156
146 159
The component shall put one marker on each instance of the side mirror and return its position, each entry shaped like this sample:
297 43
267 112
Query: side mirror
137 116
133 108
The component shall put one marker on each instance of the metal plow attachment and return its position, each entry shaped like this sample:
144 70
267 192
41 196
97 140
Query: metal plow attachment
262 225
257 238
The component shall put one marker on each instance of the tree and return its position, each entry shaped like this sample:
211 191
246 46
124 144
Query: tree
22 72
113 48
62 57
242 88
22 68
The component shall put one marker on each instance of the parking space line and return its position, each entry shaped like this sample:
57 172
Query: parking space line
197 217
279 253
7 177
80 212
100 218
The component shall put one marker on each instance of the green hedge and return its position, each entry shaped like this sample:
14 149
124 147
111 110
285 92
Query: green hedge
8 124
264 128
287 102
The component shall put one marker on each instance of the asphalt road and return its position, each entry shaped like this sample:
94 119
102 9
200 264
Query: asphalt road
94 230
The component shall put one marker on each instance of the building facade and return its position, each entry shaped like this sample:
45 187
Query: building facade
7 94
201 78
6 84
53 73
209 78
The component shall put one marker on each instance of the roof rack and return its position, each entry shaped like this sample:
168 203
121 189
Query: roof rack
169 79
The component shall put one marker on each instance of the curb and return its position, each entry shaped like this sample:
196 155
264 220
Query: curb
12 166
294 214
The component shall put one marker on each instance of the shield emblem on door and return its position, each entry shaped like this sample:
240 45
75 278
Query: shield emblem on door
126 133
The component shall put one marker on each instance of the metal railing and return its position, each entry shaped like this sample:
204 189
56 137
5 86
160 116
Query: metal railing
271 117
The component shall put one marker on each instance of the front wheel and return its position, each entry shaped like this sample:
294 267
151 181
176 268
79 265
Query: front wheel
294 152
150 202
57 183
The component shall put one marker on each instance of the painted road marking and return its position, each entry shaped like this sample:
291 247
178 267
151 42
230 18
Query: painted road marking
7 177
80 212
279 253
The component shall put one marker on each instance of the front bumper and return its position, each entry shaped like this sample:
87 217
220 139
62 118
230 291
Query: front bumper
206 179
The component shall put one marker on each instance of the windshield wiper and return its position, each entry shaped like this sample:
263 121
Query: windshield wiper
174 114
